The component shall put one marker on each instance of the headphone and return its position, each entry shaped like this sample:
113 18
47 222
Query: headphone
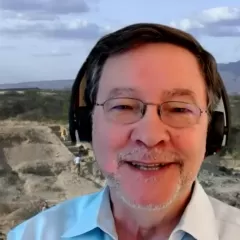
80 119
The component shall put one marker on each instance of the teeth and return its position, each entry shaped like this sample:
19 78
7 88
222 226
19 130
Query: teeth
149 165
148 168
155 166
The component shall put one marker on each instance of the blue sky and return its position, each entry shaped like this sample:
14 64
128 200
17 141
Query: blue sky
49 39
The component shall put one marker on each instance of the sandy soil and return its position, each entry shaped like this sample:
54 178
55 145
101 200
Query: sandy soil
35 166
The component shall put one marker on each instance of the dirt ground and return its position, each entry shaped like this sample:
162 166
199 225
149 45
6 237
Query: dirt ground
36 166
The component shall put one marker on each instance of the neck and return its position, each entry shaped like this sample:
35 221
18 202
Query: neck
132 223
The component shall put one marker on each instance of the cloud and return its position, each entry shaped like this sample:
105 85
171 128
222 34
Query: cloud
58 19
216 22
46 6
61 27
7 14
53 53
7 47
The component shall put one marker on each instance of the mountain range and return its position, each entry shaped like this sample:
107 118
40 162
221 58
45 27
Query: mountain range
230 73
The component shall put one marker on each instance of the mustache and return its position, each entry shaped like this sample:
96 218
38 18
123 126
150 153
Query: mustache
154 155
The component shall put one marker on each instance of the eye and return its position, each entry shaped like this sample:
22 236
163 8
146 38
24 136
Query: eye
180 110
122 107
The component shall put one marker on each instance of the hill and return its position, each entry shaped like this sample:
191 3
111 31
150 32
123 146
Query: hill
51 84
34 105
232 67
230 72
52 106
35 167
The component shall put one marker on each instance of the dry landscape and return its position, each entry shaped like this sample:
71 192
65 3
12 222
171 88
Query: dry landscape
36 165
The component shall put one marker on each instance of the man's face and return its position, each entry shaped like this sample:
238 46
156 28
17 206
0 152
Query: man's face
153 73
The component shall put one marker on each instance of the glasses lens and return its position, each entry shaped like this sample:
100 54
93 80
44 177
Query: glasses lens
179 114
123 110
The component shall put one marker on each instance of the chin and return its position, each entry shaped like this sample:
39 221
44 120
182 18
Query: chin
148 200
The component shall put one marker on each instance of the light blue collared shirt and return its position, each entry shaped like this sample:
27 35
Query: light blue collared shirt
90 217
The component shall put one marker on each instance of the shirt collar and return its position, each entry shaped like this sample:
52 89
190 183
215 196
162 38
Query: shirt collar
198 218
96 214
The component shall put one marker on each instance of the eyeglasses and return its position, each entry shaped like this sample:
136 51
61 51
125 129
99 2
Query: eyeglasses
130 110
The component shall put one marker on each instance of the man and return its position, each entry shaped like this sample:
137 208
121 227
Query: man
44 205
152 90
81 153
77 160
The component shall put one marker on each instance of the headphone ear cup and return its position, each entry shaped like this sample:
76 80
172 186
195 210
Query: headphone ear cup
215 133
84 124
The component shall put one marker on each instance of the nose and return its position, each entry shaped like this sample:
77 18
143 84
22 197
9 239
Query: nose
150 130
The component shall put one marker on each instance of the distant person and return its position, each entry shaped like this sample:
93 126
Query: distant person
81 154
152 92
63 133
44 206
77 160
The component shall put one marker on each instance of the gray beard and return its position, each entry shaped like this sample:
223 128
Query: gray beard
113 183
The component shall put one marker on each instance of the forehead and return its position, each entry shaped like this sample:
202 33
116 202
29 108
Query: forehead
153 68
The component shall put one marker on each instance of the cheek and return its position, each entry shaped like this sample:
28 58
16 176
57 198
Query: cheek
191 143
108 141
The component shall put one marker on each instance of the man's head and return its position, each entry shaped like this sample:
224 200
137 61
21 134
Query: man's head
152 89
81 147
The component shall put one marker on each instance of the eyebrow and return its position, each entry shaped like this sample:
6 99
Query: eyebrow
176 92
179 92
116 92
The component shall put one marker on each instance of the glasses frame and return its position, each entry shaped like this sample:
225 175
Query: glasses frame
146 104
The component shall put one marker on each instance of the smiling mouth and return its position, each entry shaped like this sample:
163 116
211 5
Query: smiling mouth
149 167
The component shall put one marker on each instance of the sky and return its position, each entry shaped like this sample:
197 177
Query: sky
49 39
